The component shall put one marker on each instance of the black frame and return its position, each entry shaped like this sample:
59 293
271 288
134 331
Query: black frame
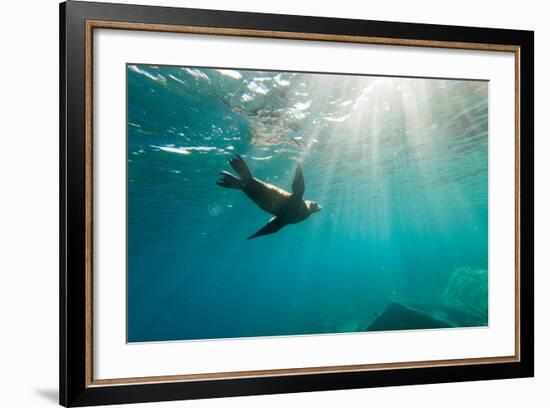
73 389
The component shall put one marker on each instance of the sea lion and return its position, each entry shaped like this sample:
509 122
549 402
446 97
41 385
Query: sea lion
287 208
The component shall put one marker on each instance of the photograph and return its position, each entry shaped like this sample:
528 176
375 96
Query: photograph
284 203
257 202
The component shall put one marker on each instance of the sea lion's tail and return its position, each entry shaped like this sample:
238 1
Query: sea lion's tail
228 180
241 168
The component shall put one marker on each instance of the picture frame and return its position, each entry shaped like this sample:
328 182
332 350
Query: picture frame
79 21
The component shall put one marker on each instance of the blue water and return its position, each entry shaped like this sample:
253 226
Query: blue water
399 166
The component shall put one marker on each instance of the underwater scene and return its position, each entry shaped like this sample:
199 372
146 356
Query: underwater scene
265 203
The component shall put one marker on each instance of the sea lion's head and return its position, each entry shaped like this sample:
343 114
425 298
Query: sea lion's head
312 206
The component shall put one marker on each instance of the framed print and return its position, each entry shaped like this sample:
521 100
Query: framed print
256 203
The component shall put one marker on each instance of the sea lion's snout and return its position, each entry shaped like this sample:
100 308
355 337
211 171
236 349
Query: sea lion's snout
315 207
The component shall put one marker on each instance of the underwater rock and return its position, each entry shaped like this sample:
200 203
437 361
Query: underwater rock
350 327
400 317
465 300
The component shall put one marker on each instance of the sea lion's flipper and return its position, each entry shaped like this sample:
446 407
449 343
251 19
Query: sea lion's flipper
240 167
298 185
274 225
228 180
